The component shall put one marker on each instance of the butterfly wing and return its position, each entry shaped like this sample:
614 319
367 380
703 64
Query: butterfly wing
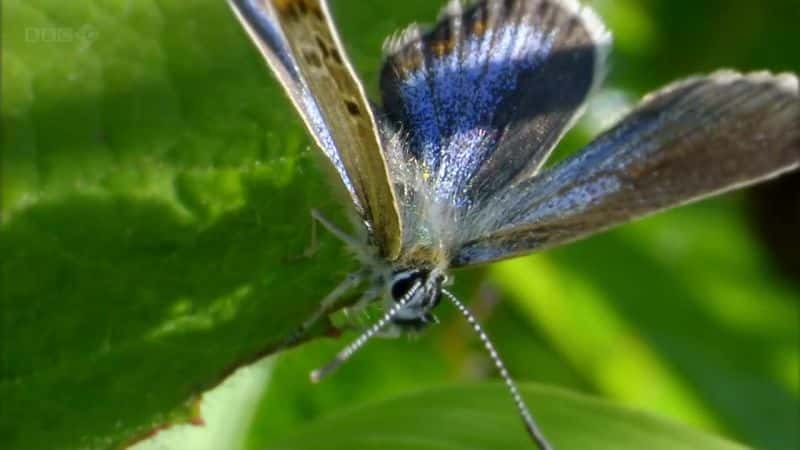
300 44
692 139
484 96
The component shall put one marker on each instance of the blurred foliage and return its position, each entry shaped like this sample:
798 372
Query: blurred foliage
578 423
155 198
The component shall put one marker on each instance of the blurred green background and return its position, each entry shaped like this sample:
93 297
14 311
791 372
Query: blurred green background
155 195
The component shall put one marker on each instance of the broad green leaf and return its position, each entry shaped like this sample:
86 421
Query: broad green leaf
479 417
156 196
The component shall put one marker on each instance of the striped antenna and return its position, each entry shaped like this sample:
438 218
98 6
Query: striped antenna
347 352
524 412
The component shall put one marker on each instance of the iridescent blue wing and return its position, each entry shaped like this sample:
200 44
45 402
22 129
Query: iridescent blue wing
690 140
300 44
483 97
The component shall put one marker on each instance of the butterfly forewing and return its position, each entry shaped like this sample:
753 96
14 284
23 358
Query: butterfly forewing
687 141
258 18
485 94
299 42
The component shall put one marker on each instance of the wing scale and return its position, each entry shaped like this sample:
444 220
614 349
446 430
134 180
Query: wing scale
485 94
690 140
298 40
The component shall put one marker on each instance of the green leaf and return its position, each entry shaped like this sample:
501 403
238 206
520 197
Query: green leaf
482 416
156 196
156 190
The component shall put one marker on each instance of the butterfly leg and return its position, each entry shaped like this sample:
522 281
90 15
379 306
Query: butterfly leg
359 247
313 245
334 230
361 304
326 305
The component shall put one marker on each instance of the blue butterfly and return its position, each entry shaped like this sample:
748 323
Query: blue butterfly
447 172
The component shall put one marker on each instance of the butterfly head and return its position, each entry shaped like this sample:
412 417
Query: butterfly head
422 291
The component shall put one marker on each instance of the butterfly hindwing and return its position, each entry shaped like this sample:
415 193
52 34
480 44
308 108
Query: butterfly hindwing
692 139
300 44
485 94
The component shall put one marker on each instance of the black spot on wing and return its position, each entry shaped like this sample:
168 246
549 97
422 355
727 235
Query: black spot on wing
322 47
317 13
312 58
296 9
336 56
352 108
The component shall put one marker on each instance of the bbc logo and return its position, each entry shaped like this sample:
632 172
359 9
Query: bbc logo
51 35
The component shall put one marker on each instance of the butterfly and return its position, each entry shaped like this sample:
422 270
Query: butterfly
447 171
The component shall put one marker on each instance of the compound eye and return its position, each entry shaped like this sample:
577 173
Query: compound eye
402 284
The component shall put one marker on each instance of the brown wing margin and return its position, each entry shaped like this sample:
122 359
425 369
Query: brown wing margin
308 30
688 141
